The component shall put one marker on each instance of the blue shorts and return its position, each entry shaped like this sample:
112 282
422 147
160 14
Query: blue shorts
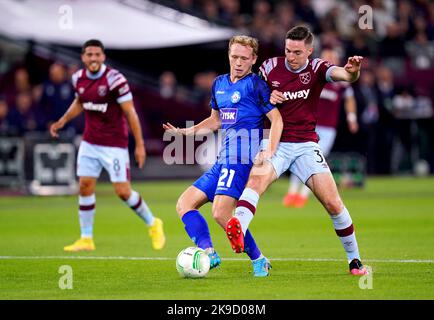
224 179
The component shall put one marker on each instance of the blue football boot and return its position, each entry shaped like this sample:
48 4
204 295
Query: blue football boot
261 267
214 259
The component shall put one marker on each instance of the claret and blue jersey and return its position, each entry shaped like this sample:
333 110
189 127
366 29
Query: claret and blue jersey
242 107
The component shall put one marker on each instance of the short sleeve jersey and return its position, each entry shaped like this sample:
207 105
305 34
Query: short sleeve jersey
101 95
330 101
242 106
302 89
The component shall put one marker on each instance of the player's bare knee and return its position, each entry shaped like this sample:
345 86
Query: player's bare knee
334 206
256 183
123 196
181 207
85 188
220 216
123 193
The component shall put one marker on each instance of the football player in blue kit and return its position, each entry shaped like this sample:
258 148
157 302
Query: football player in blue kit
240 103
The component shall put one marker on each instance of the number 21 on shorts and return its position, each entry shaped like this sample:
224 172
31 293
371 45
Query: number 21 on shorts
226 177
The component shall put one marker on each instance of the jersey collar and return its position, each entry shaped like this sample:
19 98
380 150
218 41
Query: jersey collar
296 71
245 76
94 76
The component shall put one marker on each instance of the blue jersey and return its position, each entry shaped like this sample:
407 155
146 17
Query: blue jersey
242 106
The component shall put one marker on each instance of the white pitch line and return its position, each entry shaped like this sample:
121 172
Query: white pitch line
228 259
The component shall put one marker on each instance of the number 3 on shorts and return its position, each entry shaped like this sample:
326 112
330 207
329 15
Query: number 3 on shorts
319 154
224 174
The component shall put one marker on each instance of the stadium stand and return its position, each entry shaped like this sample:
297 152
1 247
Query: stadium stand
394 94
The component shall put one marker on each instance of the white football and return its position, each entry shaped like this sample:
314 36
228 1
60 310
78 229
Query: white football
192 262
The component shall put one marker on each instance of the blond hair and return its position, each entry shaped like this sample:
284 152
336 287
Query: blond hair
245 41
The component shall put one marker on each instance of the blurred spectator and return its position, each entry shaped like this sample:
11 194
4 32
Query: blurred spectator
303 9
167 85
72 68
229 10
21 83
202 87
430 19
210 10
383 13
363 44
386 127
57 96
367 100
259 24
322 7
4 109
262 8
185 5
421 26
347 16
421 52
386 86
392 48
330 39
284 19
414 118
392 45
22 117
405 19
402 105
22 80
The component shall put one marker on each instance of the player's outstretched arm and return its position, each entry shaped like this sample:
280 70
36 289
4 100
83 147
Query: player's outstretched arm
134 123
210 124
74 110
350 72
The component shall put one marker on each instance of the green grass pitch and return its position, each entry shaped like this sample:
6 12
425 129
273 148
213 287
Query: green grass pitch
393 217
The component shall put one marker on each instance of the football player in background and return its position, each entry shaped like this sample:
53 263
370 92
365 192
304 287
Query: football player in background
104 95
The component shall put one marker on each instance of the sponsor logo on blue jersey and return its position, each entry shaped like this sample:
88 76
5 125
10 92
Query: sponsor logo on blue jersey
228 115
236 96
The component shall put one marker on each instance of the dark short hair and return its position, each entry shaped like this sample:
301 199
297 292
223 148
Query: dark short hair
92 43
300 33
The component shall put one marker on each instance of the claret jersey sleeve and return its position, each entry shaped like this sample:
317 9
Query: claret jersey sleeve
118 86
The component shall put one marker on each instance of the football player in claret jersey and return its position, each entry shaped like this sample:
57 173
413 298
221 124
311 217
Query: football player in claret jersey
329 105
296 83
239 104
104 95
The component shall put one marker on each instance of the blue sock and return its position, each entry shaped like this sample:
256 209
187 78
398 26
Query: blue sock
197 229
250 246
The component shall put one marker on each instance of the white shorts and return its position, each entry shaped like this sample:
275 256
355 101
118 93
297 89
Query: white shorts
327 136
92 158
302 159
